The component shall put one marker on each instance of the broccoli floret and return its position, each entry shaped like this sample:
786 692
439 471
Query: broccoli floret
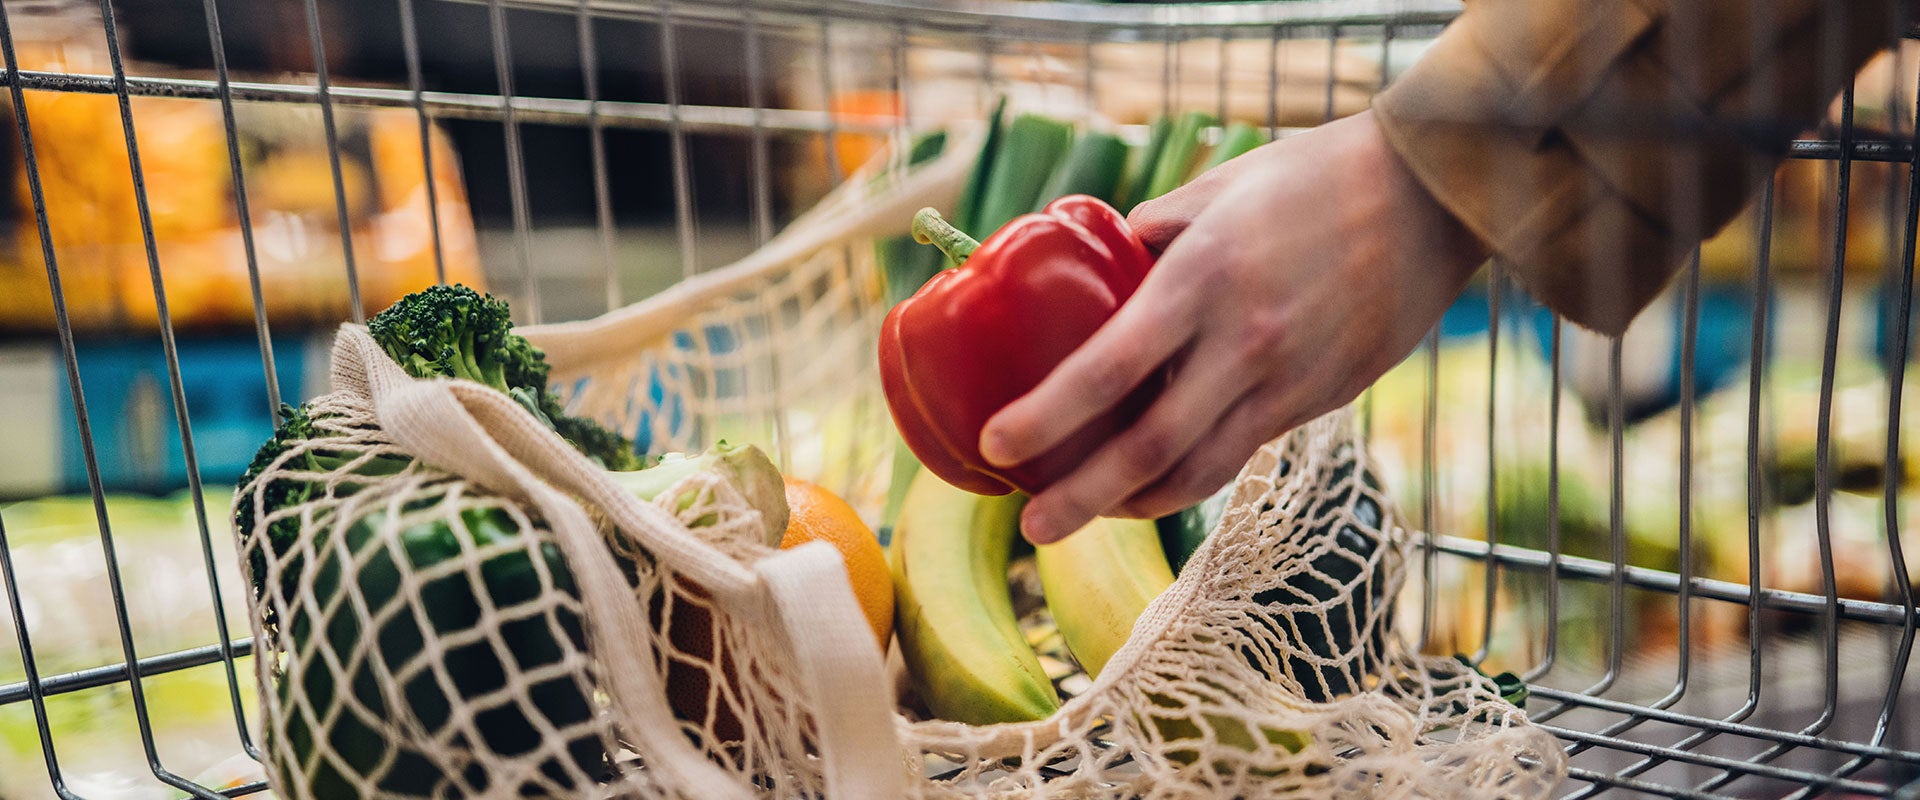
456 332
612 450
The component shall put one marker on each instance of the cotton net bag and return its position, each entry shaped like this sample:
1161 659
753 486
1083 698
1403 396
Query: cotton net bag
580 642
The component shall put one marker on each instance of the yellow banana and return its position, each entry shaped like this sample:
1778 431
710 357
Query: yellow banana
954 612
1097 582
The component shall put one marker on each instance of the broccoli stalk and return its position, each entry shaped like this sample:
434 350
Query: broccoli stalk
456 332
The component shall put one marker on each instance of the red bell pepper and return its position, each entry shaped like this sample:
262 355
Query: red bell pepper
975 338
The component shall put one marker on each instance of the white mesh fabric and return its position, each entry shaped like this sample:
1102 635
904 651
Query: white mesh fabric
716 667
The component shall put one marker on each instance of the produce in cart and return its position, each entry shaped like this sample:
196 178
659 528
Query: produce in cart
447 331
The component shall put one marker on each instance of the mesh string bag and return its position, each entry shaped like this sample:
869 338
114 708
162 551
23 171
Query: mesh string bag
662 649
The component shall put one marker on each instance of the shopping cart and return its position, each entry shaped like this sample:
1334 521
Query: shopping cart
1711 618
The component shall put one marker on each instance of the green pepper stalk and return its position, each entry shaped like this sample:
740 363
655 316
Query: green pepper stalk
930 228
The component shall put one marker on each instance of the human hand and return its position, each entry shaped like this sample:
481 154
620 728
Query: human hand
1292 277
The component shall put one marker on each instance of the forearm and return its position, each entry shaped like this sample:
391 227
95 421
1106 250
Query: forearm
1591 144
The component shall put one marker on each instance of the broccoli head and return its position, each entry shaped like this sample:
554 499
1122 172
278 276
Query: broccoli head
456 332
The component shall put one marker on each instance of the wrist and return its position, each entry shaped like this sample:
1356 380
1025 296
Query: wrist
1456 245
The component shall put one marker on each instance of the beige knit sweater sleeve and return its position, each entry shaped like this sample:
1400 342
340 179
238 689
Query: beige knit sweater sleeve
1593 143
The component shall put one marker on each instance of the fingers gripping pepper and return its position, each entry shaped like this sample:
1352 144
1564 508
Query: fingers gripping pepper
975 338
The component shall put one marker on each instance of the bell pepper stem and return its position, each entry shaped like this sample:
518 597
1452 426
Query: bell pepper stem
930 228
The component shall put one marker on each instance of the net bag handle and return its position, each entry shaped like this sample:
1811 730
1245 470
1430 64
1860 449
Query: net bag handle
484 436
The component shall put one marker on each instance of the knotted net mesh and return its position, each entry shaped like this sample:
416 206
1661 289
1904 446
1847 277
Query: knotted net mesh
498 618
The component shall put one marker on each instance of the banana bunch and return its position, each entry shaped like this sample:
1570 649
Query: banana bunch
959 634
953 609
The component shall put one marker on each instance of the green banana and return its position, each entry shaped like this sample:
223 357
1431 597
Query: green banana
954 611
1098 581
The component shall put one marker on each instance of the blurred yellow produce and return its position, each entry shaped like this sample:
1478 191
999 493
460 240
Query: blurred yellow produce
92 215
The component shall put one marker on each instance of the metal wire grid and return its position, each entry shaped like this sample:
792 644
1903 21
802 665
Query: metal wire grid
1662 747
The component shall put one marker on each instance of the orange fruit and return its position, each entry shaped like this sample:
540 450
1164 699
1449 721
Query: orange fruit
820 515
700 675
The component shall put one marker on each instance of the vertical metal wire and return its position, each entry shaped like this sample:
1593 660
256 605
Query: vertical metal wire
116 586
1823 454
1226 38
597 146
1429 436
333 157
1897 304
1333 69
1760 427
516 158
1616 523
1688 346
1491 596
1756 487
1896 378
1552 644
1902 587
760 161
1899 307
831 136
1273 84
1823 436
683 219
1386 58
1170 70
1090 65
266 361
410 46
245 217
35 692
1756 491
1689 351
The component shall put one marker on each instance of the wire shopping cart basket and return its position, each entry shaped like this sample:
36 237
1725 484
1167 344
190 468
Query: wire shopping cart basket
1687 541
